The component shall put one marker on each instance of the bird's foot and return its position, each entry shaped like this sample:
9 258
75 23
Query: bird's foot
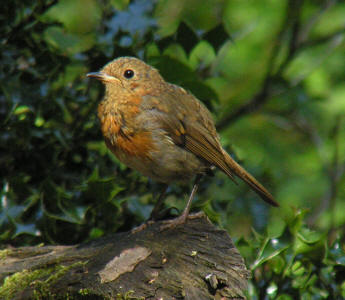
157 216
171 224
142 226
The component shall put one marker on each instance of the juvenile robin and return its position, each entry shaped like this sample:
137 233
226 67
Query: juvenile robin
162 130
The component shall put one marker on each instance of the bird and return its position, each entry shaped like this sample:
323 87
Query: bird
162 130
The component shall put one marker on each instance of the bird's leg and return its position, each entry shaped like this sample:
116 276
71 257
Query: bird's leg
183 217
191 197
159 204
155 212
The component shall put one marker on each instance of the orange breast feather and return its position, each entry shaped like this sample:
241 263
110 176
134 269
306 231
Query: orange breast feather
119 139
140 144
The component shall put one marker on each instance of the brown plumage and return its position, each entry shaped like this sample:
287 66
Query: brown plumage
161 130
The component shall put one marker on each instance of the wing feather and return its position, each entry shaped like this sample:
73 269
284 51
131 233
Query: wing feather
189 124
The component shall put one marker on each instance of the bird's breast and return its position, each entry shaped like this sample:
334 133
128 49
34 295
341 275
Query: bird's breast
139 144
122 135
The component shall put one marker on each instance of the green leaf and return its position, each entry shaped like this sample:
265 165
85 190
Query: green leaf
26 229
96 233
269 249
277 264
77 16
309 236
175 51
202 54
151 50
72 72
168 14
276 227
298 269
22 109
335 104
173 70
67 43
39 121
120 4
295 222
308 243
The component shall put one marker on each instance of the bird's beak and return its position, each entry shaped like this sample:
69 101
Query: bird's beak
103 77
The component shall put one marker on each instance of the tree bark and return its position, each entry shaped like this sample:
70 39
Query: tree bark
192 261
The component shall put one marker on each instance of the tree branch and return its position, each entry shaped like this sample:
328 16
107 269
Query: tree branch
193 261
298 41
291 19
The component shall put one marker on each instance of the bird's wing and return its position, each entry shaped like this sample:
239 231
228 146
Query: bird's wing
189 124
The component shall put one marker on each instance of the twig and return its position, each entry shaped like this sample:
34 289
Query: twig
304 33
297 42
292 17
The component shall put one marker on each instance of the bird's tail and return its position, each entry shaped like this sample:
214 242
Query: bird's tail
236 169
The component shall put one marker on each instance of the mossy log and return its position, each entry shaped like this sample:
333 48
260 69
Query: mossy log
192 261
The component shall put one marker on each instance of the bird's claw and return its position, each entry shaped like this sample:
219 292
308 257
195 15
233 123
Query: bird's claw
171 224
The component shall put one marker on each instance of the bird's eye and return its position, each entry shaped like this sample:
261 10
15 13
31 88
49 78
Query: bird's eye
128 73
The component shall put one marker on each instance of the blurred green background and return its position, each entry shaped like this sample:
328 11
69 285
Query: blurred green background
272 73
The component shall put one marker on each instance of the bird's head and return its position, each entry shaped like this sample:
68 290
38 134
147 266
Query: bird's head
128 73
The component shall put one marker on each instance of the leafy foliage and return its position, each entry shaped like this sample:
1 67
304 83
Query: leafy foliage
273 74
294 262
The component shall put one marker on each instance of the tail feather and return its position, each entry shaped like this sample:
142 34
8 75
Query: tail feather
236 169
